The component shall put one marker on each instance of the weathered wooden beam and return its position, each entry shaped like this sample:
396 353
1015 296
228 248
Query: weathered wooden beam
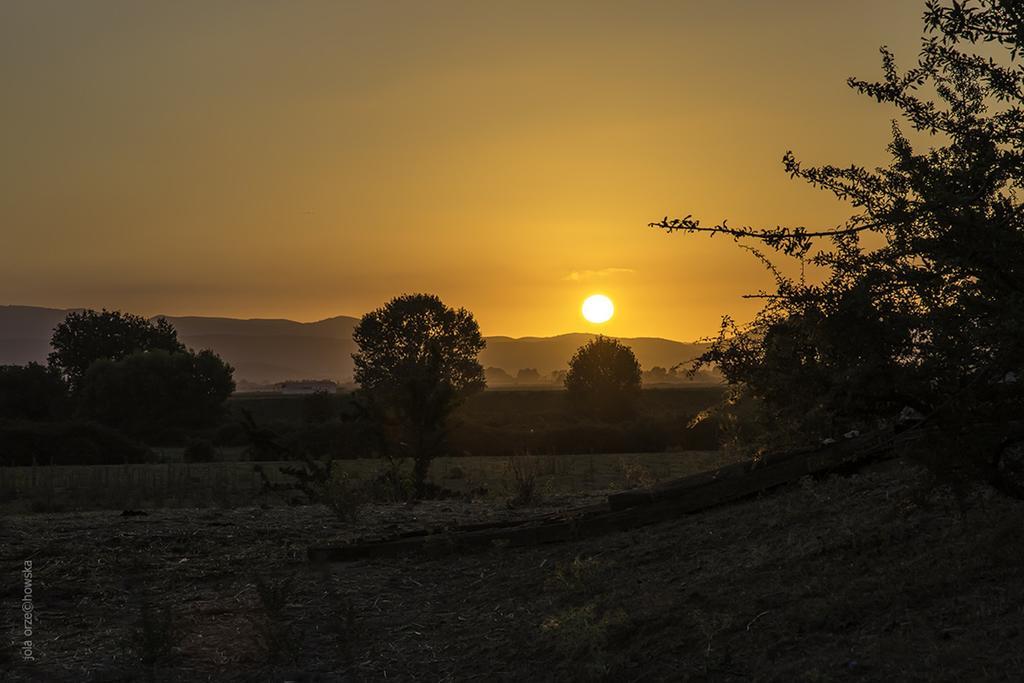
757 475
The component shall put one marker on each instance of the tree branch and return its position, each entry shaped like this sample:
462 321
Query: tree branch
792 241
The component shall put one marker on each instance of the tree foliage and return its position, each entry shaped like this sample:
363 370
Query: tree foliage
604 378
32 392
87 336
417 361
149 392
929 312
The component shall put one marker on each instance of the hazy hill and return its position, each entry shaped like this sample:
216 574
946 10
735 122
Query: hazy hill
25 333
264 350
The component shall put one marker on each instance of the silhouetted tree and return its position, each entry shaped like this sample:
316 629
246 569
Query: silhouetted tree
417 361
527 376
152 391
199 450
264 442
928 313
83 338
320 407
604 378
656 374
32 392
495 375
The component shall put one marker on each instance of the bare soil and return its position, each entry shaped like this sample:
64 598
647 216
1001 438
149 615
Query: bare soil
866 577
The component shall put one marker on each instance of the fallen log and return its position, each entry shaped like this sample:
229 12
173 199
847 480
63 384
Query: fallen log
631 509
770 470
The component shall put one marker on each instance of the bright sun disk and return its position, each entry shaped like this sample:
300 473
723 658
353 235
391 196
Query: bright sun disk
598 308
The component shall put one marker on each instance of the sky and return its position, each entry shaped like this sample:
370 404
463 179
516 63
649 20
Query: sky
309 159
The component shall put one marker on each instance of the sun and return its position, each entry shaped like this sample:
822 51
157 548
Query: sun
598 308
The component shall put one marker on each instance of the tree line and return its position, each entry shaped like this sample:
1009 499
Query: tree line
417 361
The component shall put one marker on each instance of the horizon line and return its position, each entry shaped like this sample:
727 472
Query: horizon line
345 315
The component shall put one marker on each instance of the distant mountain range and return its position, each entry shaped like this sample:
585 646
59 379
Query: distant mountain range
266 351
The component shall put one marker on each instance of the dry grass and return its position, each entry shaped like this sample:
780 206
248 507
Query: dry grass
233 484
522 481
827 580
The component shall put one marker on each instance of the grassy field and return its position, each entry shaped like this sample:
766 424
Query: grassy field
230 484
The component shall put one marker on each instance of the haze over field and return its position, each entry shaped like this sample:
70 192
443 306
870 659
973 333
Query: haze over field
276 350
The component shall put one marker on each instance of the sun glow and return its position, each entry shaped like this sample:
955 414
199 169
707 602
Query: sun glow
598 308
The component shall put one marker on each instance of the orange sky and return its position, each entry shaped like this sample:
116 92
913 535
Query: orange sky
309 159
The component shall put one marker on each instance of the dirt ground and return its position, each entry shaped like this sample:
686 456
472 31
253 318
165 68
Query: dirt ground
861 577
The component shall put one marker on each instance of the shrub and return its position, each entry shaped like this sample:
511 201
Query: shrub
67 443
582 637
393 483
344 497
321 484
319 407
230 434
200 450
634 475
32 392
521 480
576 576
455 472
149 392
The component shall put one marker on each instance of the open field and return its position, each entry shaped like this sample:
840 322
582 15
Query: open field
526 405
226 484
866 577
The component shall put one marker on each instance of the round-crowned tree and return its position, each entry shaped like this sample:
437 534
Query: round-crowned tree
417 361
88 336
604 379
150 393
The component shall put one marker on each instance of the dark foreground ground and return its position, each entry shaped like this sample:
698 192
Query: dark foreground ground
858 578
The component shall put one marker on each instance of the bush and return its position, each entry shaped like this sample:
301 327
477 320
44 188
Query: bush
521 480
634 475
230 434
393 483
500 423
646 435
67 443
200 450
345 497
149 392
320 407
32 392
330 440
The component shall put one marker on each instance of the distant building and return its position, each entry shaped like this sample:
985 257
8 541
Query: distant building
307 386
